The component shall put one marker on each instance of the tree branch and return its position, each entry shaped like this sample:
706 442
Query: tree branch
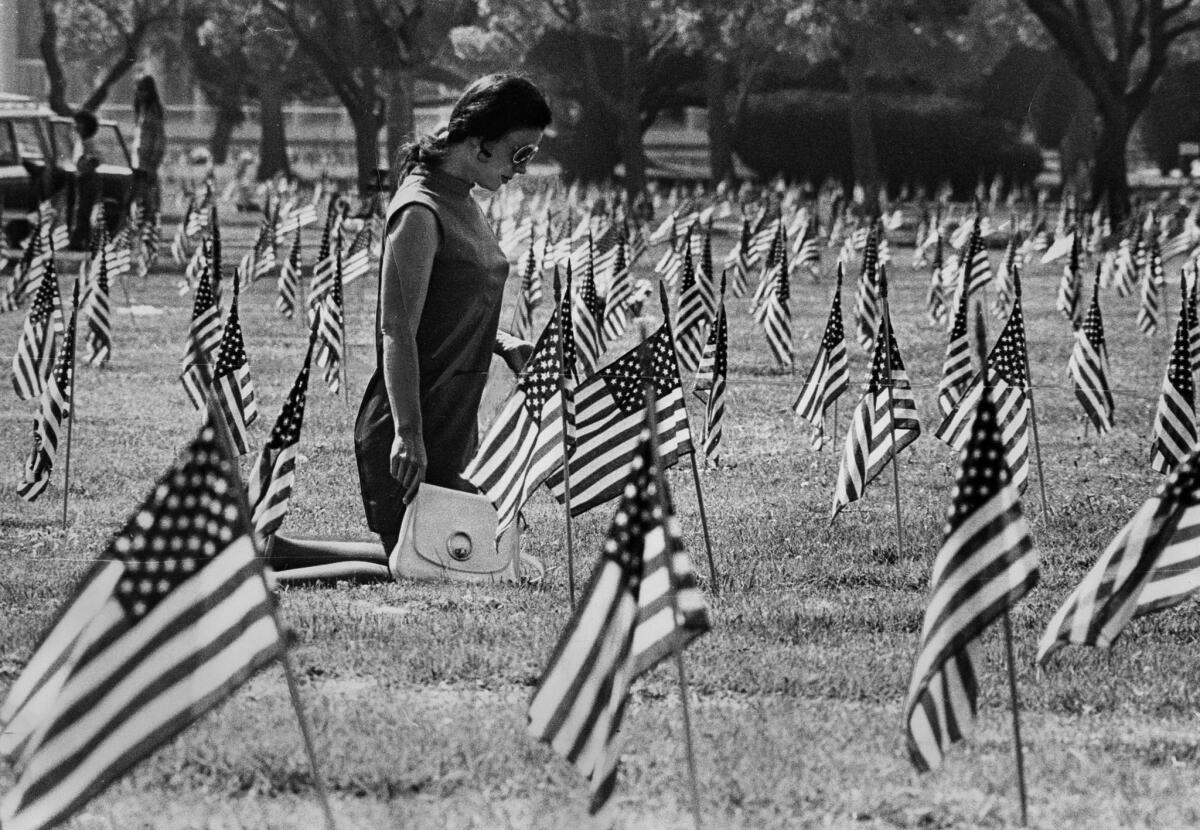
48 46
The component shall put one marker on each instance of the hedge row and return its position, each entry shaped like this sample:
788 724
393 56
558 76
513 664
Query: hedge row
919 140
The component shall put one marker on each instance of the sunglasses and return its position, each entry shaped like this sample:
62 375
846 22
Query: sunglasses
523 155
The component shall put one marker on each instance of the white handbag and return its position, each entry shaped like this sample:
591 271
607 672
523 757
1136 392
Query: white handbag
449 534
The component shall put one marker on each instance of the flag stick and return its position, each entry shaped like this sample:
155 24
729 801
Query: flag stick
887 334
226 440
345 355
689 748
1016 718
648 374
981 347
836 430
712 568
71 408
652 424
566 467
1037 444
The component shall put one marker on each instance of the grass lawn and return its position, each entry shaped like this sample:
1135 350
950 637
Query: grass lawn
418 691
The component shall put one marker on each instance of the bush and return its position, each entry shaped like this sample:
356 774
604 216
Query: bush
920 139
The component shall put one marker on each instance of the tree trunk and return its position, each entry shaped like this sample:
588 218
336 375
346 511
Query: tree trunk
1110 184
225 120
862 134
272 142
401 124
720 142
633 147
366 146
48 46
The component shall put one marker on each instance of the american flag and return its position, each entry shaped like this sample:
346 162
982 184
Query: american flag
562 243
96 316
870 443
289 280
716 351
739 260
231 381
118 252
775 316
1153 281
1175 419
171 618
181 244
768 279
215 263
620 293
587 311
1149 566
763 238
199 262
36 347
197 217
331 328
828 378
204 335
985 565
610 411
807 249
322 273
1070 288
1193 320
641 606
1006 275
867 309
530 296
357 260
149 235
1088 366
269 489
695 299
598 253
54 408
35 260
935 300
956 368
670 266
977 270
1125 275
525 442
260 260
637 243
703 380
294 218
1008 383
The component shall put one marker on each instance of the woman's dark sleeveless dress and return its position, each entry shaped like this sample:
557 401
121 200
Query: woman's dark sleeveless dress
455 340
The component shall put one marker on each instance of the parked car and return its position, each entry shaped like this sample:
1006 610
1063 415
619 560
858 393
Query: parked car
37 152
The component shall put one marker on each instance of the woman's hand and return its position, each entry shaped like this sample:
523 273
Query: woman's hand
516 353
408 463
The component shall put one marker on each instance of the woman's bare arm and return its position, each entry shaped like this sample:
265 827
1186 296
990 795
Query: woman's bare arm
411 246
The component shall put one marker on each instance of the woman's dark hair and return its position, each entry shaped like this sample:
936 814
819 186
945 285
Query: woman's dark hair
489 108
145 97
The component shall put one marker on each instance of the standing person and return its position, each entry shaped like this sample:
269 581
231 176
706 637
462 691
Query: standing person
149 143
87 179
438 312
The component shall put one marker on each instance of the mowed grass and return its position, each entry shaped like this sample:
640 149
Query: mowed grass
418 692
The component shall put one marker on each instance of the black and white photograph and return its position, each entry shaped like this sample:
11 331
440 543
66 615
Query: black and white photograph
599 414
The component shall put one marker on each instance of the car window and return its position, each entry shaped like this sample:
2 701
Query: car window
8 145
29 138
110 146
64 141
